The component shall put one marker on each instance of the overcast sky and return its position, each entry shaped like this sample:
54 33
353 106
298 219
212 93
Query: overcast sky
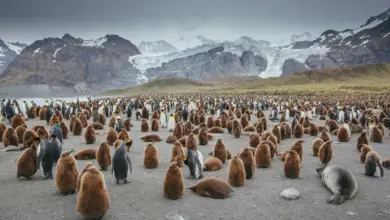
147 20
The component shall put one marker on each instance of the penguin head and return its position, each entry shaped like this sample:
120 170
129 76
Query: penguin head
129 142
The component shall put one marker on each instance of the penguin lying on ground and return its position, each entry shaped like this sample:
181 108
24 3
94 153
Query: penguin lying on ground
121 162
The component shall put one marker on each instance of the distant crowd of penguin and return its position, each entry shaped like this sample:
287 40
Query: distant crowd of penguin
194 121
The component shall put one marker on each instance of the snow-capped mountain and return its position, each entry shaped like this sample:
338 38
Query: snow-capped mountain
160 46
187 42
302 37
8 52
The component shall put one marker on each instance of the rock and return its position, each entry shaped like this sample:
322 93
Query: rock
177 217
290 194
253 64
291 66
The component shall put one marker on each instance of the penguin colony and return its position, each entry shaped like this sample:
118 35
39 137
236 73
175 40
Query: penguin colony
43 148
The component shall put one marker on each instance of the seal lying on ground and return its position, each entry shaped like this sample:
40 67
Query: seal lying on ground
340 181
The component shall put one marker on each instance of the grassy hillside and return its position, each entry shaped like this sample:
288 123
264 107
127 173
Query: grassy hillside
373 78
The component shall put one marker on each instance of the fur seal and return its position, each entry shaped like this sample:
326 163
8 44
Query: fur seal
121 162
263 156
151 138
103 156
173 182
340 181
150 157
66 174
372 161
236 172
93 200
212 187
292 164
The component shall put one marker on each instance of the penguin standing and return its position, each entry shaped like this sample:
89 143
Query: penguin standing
121 162
194 161
57 131
48 153
49 113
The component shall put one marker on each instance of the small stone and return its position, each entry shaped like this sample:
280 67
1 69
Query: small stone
350 213
177 217
290 194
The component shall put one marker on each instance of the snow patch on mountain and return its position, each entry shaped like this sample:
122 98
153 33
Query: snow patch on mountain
141 79
95 43
160 46
187 42
14 47
306 36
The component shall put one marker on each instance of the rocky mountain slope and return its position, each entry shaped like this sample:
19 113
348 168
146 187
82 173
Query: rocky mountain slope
160 46
8 52
74 63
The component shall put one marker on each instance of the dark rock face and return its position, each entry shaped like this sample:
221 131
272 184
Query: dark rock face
301 44
69 62
253 64
291 66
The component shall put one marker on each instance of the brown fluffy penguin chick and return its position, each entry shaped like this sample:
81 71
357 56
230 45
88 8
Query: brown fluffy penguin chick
195 130
376 135
71 122
89 135
217 123
283 155
363 152
210 137
42 113
191 143
66 174
292 165
42 131
103 156
83 119
298 147
259 127
325 136
93 200
229 126
17 120
313 130
236 172
155 124
325 153
386 163
236 129
342 135
334 132
144 125
27 162
298 131
277 133
64 129
288 129
102 119
171 139
77 127
151 138
272 146
216 130
178 131
111 136
123 134
362 139
244 121
183 140
112 122
254 140
212 164
316 146
97 126
177 154
188 128
283 134
381 127
223 121
117 144
127 124
263 156
20 132
219 150
247 157
150 157
321 128
306 130
10 138
86 154
332 125
372 161
249 128
3 127
173 182
212 187
28 138
203 136
54 119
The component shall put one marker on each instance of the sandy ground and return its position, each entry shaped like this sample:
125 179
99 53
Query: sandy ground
39 199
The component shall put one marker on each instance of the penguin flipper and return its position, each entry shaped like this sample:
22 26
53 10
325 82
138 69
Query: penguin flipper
40 156
129 163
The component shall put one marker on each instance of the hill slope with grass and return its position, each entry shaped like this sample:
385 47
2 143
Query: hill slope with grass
372 78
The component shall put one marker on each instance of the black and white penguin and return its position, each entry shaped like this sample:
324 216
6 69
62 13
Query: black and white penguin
57 131
121 162
48 154
49 113
194 161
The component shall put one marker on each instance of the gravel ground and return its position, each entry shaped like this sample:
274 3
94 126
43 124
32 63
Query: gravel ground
39 199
